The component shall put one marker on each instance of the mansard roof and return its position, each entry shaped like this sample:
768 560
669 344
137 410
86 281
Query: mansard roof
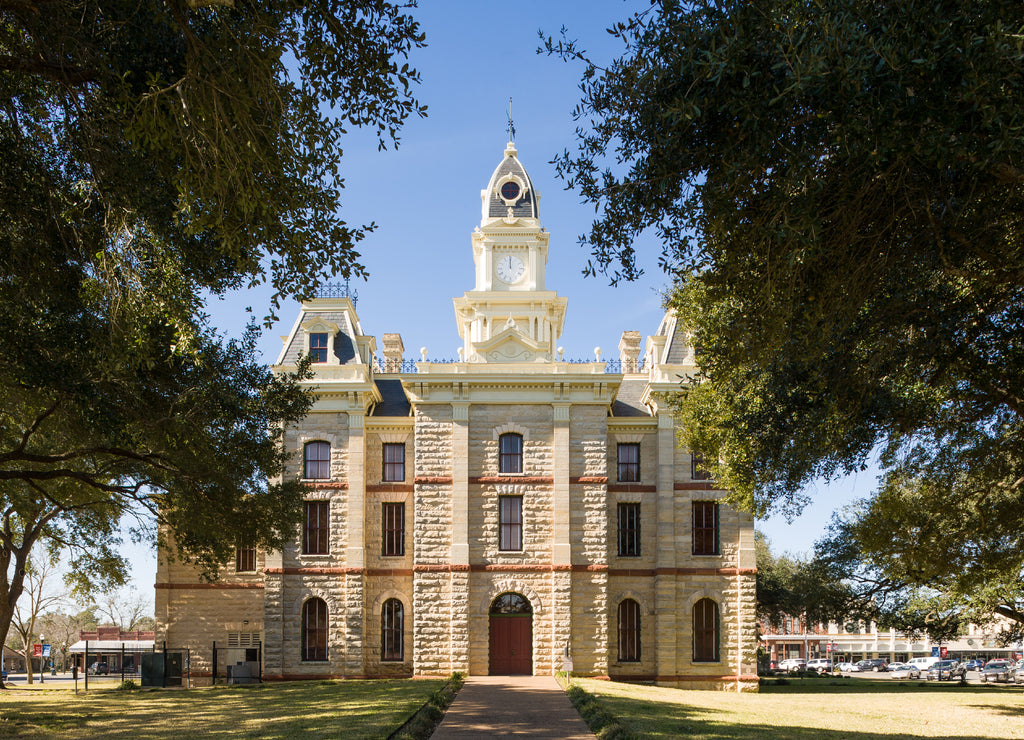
344 340
524 204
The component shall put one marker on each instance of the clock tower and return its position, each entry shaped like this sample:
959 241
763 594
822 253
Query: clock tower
509 317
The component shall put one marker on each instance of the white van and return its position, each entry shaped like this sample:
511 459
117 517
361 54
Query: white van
924 663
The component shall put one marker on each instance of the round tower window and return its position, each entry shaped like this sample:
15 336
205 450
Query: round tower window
510 190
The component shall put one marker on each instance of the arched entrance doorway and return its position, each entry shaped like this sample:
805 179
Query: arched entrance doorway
511 641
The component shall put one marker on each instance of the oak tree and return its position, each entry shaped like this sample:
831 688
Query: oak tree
839 189
156 152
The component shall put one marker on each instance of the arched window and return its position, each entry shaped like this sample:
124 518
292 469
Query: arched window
317 458
629 631
391 623
314 630
510 603
705 631
511 449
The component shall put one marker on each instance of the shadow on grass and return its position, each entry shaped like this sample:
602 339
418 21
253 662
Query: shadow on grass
350 709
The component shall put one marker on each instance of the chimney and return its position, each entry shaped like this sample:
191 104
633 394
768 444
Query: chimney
629 351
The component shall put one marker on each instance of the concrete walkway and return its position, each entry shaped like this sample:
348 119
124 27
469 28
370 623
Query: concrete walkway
511 706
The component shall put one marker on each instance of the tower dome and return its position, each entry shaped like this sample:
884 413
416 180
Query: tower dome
509 193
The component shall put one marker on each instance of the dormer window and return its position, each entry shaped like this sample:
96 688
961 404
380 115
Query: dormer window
321 339
318 346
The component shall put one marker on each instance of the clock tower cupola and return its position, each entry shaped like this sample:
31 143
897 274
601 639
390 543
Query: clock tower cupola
508 316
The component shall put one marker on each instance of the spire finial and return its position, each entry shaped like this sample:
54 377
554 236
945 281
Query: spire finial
511 126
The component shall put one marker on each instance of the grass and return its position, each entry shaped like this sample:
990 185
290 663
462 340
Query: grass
847 709
349 709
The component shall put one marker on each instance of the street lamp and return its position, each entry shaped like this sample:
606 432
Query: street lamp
42 641
64 657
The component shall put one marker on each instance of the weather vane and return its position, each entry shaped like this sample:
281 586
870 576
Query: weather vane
511 126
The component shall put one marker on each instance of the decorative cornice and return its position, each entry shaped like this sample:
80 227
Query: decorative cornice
327 485
588 479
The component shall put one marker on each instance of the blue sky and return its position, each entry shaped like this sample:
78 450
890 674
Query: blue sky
425 199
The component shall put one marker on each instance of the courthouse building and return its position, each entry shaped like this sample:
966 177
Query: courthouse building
497 514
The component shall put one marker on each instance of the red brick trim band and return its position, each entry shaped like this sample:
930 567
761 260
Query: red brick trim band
390 488
485 568
432 479
700 485
588 479
682 571
531 479
201 586
312 571
631 488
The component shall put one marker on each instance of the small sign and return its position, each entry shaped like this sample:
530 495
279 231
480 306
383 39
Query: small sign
935 652
942 653
37 650
46 651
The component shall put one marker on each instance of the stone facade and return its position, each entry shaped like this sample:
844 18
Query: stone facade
511 491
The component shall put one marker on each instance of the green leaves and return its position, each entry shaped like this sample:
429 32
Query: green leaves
837 186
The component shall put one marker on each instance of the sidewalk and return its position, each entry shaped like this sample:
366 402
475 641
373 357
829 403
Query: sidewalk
511 706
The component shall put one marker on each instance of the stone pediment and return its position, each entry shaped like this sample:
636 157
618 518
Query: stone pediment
510 345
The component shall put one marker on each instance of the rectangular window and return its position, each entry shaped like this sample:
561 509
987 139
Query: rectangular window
629 530
629 462
318 347
705 528
394 461
510 523
315 531
245 559
393 529
697 471
510 459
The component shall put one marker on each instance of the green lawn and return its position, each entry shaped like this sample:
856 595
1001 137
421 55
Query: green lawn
349 709
828 709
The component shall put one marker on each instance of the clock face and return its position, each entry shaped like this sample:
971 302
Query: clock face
510 190
510 268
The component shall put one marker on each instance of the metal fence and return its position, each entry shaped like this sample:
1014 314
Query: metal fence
234 664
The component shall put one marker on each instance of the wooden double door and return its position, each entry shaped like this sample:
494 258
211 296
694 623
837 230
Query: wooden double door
511 645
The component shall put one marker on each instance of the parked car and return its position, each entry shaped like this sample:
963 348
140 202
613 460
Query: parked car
3 676
925 662
99 669
945 670
906 670
821 665
792 665
975 664
1018 671
894 665
998 670
871 664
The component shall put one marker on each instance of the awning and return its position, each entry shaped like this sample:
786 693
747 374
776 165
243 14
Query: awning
111 646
